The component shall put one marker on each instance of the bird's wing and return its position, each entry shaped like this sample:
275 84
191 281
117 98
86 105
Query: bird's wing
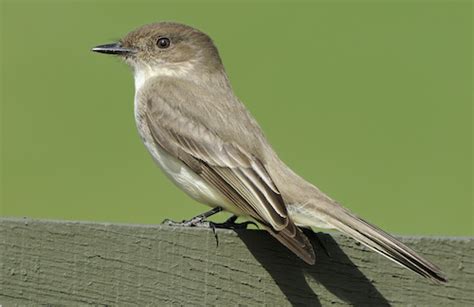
234 172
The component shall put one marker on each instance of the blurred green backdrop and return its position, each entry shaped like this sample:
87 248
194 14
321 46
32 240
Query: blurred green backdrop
370 101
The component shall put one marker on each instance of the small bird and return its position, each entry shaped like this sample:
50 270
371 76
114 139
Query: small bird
210 146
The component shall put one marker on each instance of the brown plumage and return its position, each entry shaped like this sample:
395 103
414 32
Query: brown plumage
207 143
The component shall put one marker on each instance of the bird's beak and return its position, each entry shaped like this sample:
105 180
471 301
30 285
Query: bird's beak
115 48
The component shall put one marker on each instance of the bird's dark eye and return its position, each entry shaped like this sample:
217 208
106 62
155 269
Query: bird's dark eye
163 42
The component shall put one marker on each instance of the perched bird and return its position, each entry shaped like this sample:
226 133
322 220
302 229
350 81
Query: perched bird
208 144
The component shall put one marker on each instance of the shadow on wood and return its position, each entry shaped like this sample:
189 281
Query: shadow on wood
76 263
333 270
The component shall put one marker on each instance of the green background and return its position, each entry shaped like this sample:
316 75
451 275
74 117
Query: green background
370 101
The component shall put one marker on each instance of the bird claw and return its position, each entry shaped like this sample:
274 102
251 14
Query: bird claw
197 221
194 222
231 224
200 221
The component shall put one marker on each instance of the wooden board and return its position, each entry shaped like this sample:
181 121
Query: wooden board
71 263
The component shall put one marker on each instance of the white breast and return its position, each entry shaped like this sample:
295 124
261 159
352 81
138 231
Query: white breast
177 171
184 177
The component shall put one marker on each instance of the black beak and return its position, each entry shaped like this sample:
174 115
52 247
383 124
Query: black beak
115 48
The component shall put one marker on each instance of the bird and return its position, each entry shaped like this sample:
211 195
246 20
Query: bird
206 141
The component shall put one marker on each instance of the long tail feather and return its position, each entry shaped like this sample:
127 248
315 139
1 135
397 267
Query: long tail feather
381 242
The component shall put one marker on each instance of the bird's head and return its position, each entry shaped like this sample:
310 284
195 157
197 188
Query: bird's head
166 48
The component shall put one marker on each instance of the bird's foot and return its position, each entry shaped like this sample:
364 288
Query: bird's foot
231 224
200 221
197 221
194 222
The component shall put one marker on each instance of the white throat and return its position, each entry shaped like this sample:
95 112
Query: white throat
143 73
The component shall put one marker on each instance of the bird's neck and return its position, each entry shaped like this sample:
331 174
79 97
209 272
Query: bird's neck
188 70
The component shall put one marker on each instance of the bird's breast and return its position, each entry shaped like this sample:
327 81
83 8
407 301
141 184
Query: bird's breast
185 178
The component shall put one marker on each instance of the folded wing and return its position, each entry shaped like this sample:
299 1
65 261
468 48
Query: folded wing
234 172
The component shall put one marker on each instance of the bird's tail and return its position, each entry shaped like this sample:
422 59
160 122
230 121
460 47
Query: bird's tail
296 241
376 239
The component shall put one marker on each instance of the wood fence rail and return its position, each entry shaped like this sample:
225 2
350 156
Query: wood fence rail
77 263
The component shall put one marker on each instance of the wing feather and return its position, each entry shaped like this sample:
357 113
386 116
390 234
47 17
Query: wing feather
237 174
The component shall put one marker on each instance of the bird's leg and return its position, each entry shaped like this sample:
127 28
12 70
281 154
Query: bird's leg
200 221
197 221
231 224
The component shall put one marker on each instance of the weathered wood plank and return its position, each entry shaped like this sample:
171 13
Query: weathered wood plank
72 263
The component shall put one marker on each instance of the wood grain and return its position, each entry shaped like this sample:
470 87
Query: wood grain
76 263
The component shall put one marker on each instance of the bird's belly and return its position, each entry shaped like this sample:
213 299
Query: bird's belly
184 177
